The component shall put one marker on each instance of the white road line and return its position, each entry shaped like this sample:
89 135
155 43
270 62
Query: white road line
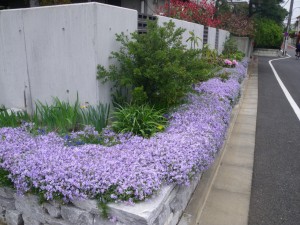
284 89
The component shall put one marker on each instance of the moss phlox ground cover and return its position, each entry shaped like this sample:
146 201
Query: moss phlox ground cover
136 167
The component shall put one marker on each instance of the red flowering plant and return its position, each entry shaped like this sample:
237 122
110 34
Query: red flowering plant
237 24
202 13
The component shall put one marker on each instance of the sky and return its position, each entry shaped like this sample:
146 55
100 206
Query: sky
296 8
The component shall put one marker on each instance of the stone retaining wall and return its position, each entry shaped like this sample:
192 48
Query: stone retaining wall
165 208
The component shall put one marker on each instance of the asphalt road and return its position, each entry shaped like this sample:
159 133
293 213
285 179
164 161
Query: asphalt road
275 194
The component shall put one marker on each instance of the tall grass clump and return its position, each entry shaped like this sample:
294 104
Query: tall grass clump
97 116
61 117
11 118
141 120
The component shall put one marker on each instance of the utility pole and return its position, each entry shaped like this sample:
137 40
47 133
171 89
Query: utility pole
288 27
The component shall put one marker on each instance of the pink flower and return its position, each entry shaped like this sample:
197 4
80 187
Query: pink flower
228 62
234 62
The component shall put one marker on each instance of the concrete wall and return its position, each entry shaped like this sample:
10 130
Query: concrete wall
196 28
223 35
54 51
211 41
244 44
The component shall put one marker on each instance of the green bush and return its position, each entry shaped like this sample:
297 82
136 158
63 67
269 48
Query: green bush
142 120
210 56
4 180
230 47
268 34
157 62
231 51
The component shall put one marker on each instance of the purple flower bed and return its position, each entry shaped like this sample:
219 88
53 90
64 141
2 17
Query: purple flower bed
136 167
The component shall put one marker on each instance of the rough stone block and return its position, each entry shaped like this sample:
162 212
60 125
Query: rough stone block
7 203
52 210
2 216
164 208
7 192
163 217
99 220
144 212
76 216
85 219
14 217
30 221
29 206
90 206
176 204
54 221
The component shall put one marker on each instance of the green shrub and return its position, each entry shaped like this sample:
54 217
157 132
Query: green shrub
238 55
211 58
141 120
139 96
4 180
157 62
268 34
230 47
231 51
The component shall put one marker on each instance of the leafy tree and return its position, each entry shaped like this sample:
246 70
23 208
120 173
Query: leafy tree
235 19
270 9
268 34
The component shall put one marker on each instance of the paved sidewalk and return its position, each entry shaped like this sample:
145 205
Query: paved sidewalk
223 194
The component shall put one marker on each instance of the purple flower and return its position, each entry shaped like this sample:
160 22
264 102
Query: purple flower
135 166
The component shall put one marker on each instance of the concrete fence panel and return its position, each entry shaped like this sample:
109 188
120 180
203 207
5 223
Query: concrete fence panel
211 40
14 84
190 27
223 36
58 50
244 45
109 22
